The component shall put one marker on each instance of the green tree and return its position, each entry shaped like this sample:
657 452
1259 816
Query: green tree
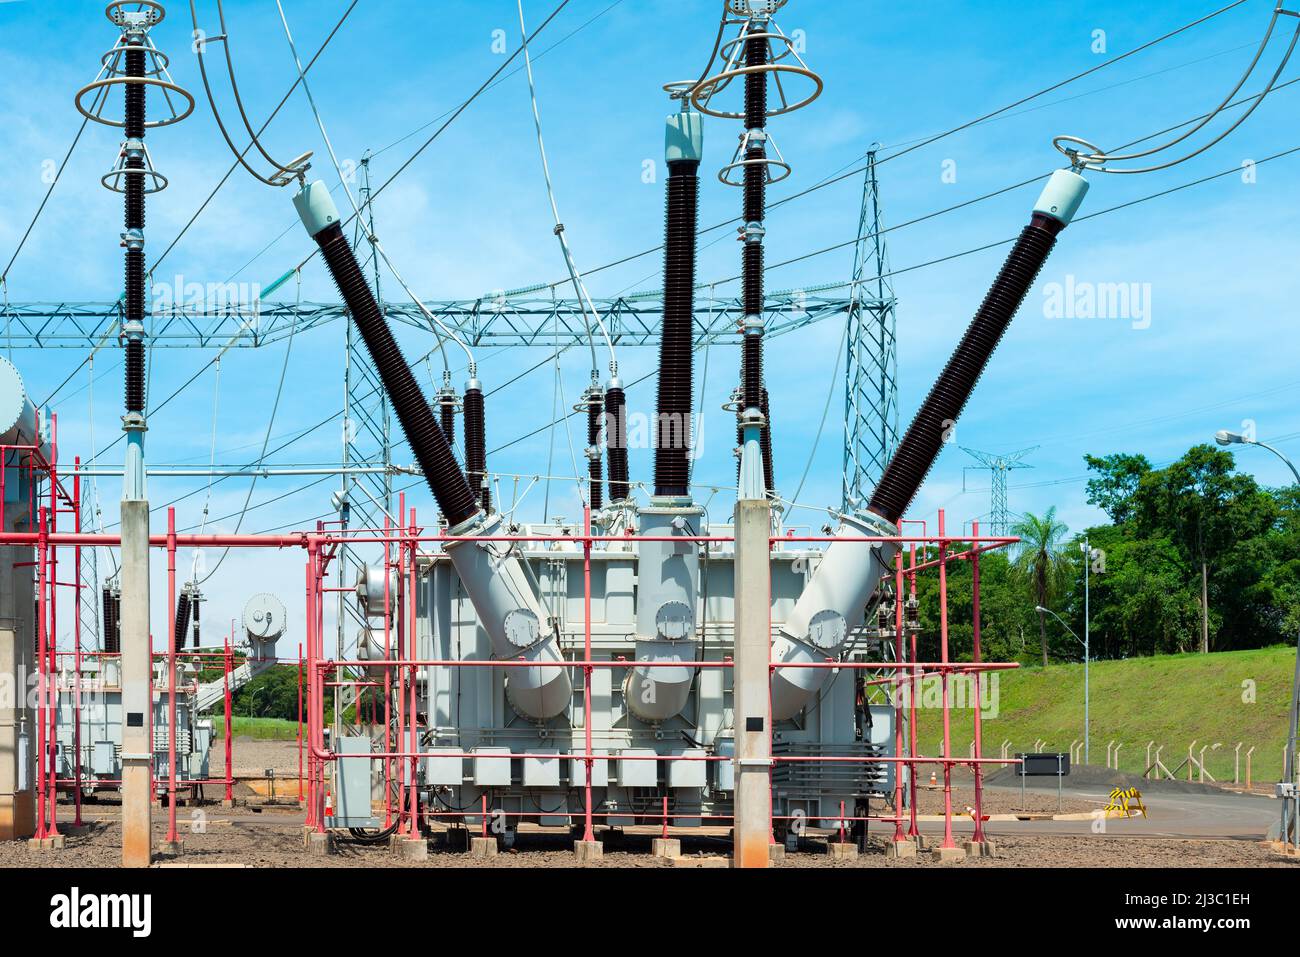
1041 562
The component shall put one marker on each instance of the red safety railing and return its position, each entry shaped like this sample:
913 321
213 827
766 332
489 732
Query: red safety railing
400 754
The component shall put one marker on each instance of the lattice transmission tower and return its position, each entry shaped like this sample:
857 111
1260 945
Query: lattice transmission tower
871 419
998 466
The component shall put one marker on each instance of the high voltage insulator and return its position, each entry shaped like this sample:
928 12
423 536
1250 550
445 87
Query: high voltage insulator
476 444
184 608
137 66
934 421
760 51
111 603
620 490
684 148
593 403
448 402
446 480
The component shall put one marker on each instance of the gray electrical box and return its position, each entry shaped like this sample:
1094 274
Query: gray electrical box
353 781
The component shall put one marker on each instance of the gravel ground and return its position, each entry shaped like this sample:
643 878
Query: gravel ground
238 838
251 757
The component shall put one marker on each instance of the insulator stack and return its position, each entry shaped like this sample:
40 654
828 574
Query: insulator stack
476 446
111 603
134 221
195 604
765 443
925 437
620 488
183 608
595 465
447 418
755 210
676 365
427 441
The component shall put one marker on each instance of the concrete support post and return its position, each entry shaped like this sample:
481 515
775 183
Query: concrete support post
137 706
751 677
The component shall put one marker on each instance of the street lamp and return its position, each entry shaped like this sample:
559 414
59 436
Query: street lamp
1224 437
1047 611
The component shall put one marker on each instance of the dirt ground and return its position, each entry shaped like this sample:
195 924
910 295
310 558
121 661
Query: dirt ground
258 835
273 838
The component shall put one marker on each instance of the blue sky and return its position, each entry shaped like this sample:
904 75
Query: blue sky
470 216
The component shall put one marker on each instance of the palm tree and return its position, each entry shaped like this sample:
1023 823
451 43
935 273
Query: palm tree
1040 560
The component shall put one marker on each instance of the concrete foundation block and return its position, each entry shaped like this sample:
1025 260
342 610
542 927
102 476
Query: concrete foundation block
900 850
847 851
483 847
949 855
171 848
984 848
411 849
776 853
320 845
588 850
44 844
229 804
666 847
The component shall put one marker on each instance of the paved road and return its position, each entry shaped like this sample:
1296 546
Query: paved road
1220 815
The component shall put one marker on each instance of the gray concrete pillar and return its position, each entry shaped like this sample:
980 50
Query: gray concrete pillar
751 680
137 704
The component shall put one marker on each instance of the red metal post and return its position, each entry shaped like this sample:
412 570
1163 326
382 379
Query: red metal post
300 661
171 675
52 633
912 830
896 686
42 700
411 632
944 680
975 677
228 661
76 679
588 833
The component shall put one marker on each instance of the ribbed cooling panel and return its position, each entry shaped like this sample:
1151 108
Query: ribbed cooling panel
430 446
924 440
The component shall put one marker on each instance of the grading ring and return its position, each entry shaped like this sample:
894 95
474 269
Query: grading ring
144 80
1094 160
158 184
714 84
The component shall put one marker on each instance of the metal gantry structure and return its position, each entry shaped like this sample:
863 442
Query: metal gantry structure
221 317
998 466
871 414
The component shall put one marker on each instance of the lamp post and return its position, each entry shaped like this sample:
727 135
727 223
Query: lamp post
1224 437
1048 611
1087 568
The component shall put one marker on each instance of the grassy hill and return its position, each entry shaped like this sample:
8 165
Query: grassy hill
263 729
1226 698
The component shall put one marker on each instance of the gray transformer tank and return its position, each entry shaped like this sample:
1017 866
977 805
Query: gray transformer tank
468 709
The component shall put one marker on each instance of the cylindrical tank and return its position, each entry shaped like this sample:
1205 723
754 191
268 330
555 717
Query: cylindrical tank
370 590
19 418
265 620
834 602
516 626
668 574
